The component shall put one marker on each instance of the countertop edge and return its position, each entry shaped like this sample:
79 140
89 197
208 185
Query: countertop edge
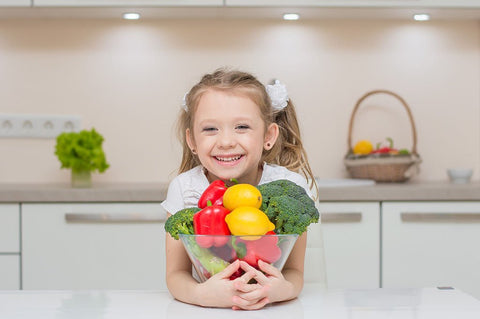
156 192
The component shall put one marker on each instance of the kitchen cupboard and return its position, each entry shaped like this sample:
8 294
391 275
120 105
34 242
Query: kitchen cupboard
431 244
15 3
251 3
9 246
93 246
9 272
131 3
359 3
351 233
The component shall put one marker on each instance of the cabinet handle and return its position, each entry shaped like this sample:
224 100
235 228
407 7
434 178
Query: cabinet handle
440 217
352 217
113 218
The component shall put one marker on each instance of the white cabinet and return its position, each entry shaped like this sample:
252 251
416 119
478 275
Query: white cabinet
15 3
351 232
93 246
432 244
9 272
359 3
118 3
9 246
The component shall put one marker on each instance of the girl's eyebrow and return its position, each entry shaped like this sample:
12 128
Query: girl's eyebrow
210 121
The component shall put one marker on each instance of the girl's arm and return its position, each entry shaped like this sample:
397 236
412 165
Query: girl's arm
294 267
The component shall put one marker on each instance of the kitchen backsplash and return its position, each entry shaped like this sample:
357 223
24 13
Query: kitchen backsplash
127 80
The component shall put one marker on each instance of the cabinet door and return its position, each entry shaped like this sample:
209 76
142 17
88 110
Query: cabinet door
10 228
15 3
9 272
9 246
432 244
93 246
351 234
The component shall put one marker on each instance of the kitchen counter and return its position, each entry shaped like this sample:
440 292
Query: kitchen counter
156 192
314 302
113 192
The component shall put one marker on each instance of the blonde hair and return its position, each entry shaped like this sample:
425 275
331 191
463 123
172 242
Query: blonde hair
288 150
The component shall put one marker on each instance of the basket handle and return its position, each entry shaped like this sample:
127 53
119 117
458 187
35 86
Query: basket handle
409 112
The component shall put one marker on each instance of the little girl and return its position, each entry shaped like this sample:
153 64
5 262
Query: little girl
232 126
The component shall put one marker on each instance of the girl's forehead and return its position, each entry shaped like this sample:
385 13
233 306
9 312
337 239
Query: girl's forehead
221 101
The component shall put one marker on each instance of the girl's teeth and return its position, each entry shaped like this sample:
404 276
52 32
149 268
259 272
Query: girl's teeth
228 159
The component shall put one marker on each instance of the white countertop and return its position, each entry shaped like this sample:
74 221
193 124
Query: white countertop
314 302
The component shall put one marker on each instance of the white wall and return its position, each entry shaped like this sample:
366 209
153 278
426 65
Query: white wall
127 79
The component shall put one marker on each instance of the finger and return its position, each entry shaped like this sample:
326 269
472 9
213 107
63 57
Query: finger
246 266
247 306
256 294
229 270
269 269
242 282
247 276
245 287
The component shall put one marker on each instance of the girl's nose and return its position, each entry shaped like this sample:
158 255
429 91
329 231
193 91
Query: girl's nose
226 140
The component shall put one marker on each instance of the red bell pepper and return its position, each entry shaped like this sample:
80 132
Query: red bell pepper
264 249
385 149
211 221
213 193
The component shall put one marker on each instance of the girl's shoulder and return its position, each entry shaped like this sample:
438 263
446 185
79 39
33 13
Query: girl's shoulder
192 176
185 190
272 172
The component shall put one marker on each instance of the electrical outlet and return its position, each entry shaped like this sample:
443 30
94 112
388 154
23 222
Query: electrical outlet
37 125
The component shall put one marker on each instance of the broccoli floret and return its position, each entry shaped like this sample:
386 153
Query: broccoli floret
181 222
288 206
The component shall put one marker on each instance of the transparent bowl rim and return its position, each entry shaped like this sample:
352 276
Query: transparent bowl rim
239 236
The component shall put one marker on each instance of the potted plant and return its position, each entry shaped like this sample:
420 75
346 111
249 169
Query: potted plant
81 152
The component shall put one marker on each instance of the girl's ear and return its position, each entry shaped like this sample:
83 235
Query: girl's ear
190 142
271 136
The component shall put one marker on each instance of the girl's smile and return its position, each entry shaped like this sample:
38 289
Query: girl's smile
229 136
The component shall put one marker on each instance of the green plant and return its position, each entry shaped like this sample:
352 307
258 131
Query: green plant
81 151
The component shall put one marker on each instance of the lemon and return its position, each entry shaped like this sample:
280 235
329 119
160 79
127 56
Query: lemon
363 147
247 220
242 195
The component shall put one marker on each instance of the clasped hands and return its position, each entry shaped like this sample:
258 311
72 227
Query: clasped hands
239 294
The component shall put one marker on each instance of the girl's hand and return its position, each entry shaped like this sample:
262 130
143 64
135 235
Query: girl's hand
271 286
248 296
219 290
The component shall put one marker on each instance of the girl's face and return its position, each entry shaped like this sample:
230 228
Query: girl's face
229 136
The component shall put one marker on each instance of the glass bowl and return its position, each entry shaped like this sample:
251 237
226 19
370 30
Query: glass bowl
210 254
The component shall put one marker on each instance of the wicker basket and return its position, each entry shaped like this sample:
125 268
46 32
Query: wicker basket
382 168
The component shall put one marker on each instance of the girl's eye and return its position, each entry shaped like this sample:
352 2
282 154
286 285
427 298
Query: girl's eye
209 129
242 127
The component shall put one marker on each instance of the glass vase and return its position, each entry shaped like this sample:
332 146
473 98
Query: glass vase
81 179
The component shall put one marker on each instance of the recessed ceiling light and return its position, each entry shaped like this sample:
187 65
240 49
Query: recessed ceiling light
291 16
131 16
421 17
